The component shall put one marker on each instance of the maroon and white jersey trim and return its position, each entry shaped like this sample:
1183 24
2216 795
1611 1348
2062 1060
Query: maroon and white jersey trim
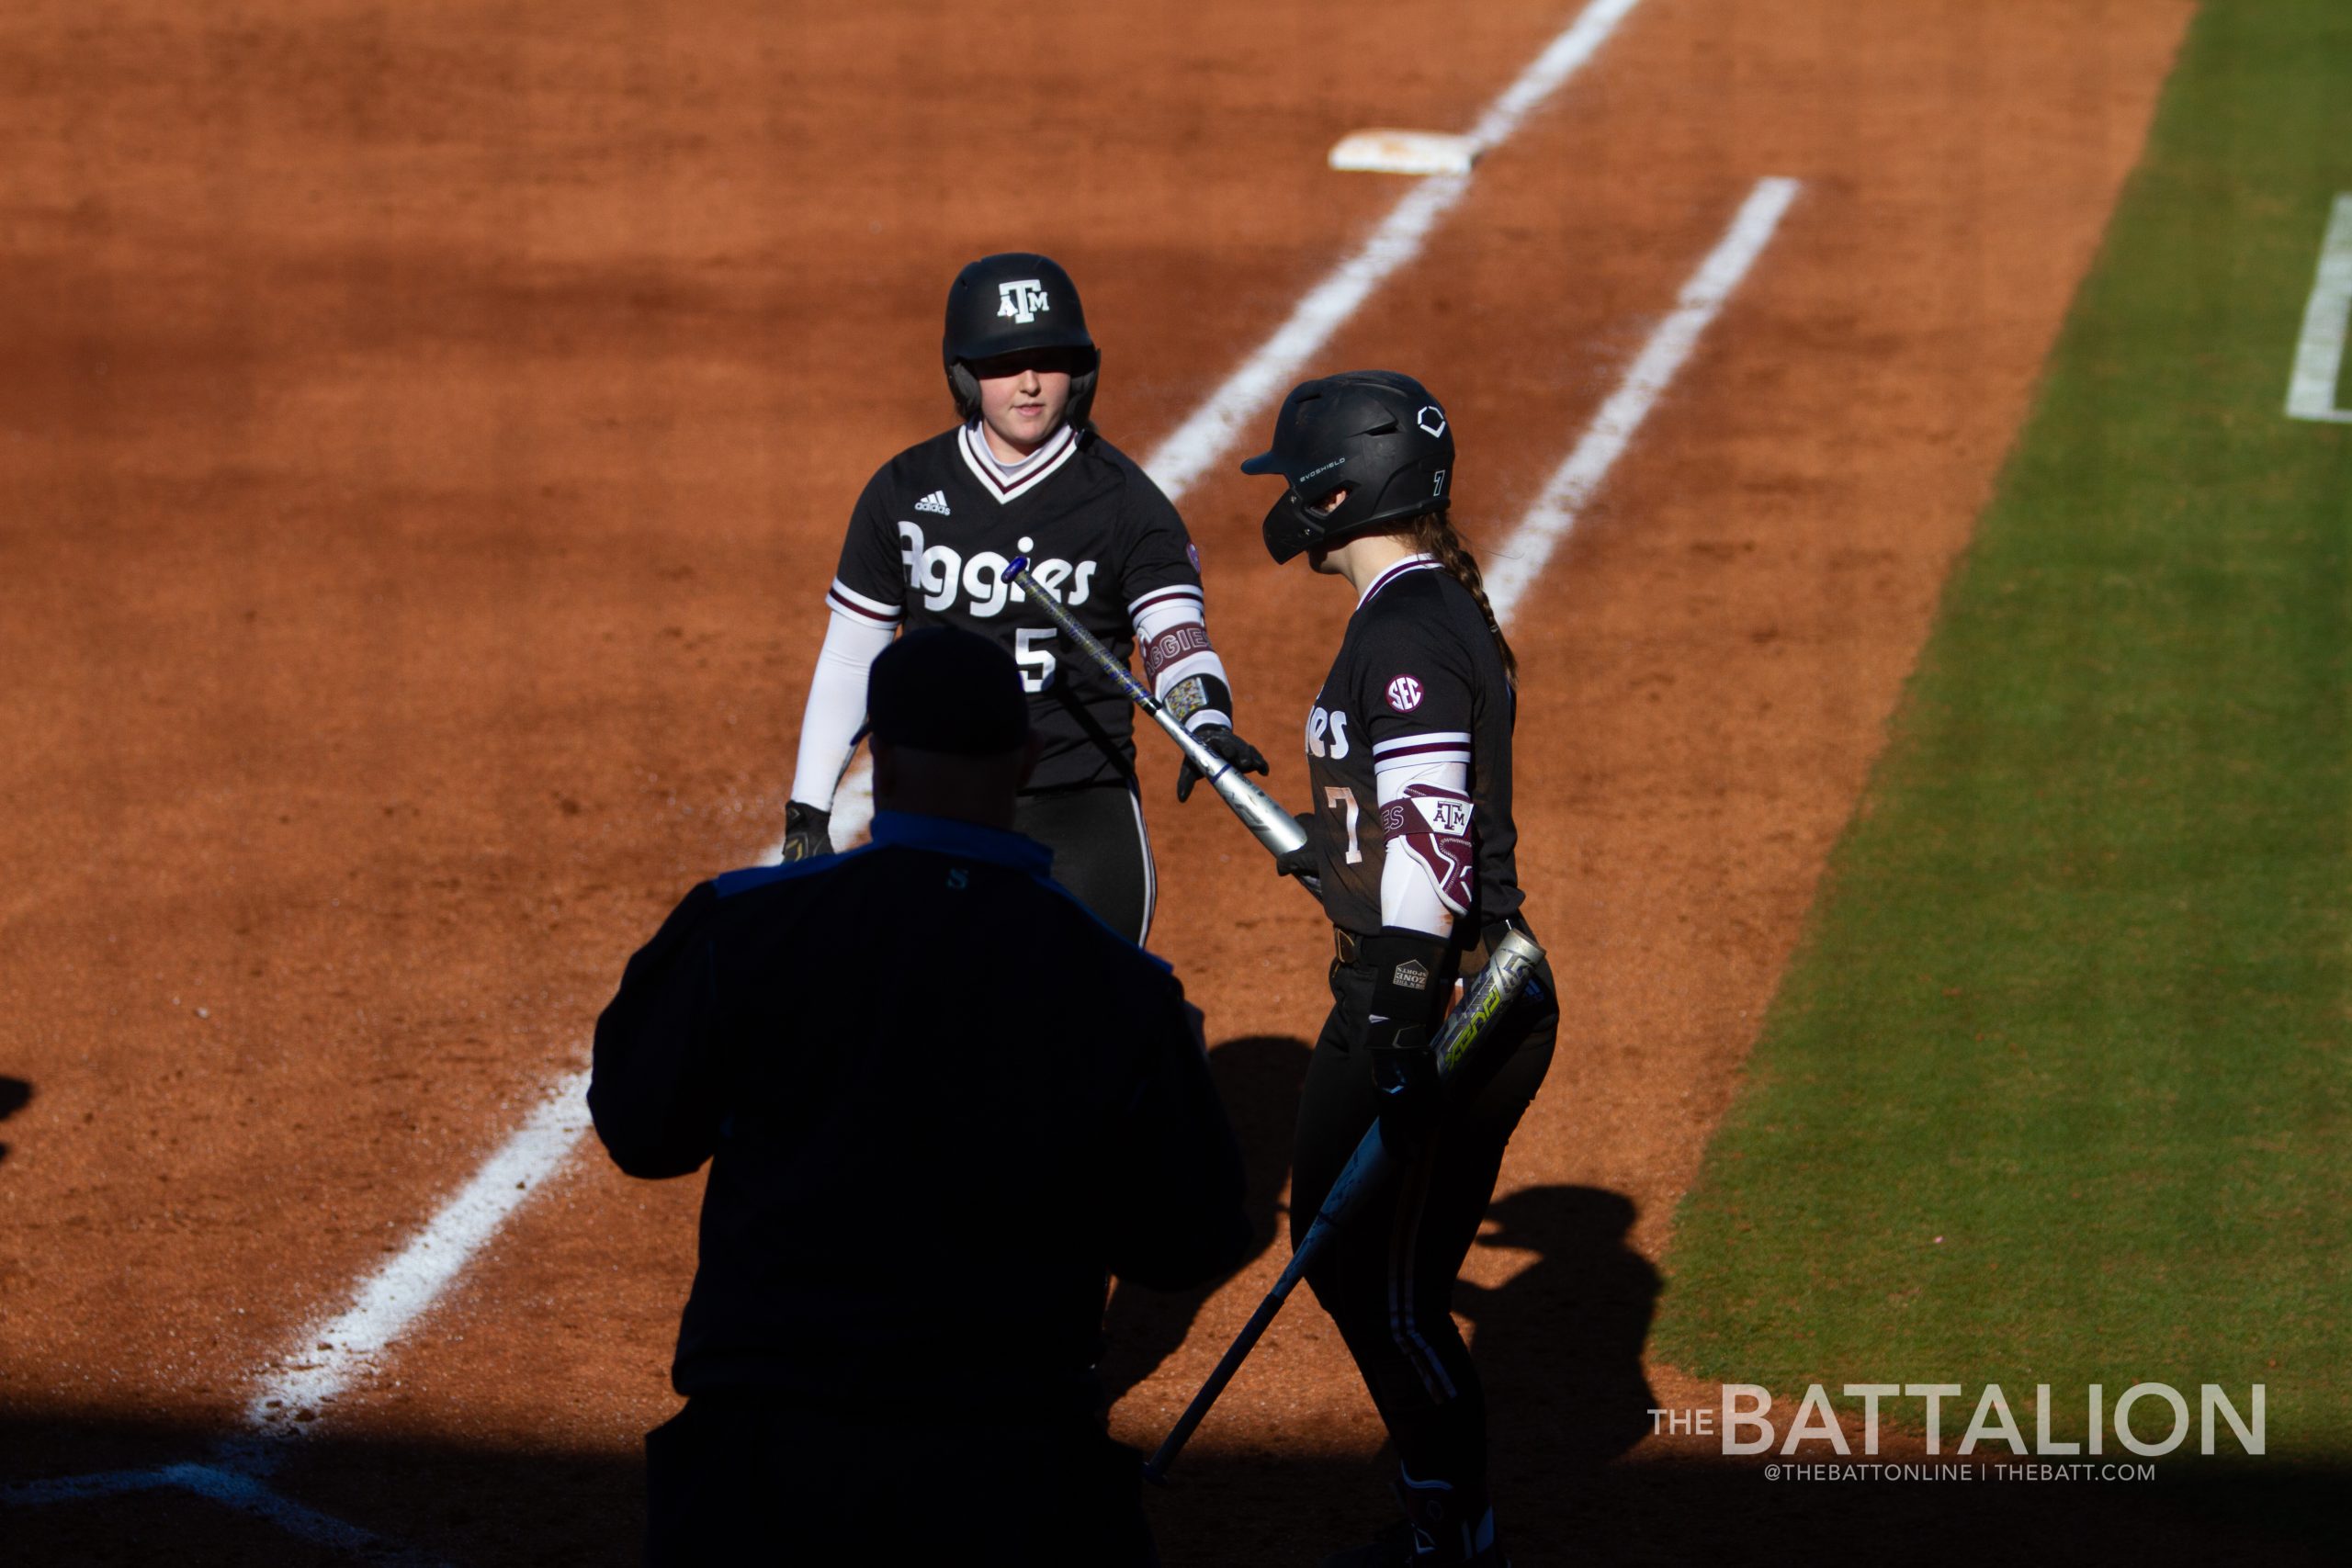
1421 750
1176 596
1390 574
848 601
1023 477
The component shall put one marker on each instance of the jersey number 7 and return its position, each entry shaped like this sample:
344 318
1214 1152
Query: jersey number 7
1340 798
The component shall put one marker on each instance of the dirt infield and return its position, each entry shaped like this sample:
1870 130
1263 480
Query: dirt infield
425 436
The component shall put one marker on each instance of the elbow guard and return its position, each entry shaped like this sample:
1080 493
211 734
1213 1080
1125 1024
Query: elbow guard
1432 825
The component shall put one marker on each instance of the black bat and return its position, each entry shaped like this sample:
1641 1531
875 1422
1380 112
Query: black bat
1468 1026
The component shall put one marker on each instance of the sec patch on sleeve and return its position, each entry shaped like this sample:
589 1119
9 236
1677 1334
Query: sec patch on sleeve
1404 693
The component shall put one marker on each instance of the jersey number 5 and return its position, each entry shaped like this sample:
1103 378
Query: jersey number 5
1036 664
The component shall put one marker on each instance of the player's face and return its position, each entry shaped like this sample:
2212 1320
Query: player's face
1022 400
1319 556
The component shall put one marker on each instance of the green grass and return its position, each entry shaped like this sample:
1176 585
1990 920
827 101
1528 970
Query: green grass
2077 998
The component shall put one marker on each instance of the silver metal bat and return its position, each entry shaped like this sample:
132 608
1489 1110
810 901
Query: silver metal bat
1265 818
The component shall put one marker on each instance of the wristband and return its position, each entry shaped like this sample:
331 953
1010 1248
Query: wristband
1409 974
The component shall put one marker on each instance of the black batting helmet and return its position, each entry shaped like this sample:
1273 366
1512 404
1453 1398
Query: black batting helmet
1378 433
1008 304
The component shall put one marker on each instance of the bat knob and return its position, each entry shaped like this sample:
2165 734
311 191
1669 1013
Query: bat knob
1016 566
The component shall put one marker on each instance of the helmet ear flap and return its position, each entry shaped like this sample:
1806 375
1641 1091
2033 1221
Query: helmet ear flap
965 387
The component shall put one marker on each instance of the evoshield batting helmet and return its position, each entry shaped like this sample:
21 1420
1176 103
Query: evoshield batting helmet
1010 304
1377 433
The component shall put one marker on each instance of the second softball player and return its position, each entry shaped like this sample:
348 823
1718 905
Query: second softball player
1409 753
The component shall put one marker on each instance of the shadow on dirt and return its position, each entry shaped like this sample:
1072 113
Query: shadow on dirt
15 1095
1259 1076
489 1509
1559 1343
1559 1347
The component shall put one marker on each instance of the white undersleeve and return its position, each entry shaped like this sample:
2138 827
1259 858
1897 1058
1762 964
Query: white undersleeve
836 704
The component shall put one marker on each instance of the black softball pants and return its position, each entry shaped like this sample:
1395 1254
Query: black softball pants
1100 852
1387 1277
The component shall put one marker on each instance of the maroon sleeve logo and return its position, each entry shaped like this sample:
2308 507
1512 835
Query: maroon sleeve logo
1175 643
1404 693
1432 825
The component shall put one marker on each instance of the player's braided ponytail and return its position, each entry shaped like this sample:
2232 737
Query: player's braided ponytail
1433 535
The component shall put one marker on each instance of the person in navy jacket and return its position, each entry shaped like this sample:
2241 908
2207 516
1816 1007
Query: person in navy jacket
941 1102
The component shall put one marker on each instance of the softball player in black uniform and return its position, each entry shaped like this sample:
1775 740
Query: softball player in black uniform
1025 474
1408 749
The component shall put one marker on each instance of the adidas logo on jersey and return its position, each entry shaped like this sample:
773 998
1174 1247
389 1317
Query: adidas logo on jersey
935 501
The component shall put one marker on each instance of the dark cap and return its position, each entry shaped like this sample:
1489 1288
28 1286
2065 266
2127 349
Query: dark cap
944 689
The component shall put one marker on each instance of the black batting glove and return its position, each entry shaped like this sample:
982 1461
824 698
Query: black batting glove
1408 981
808 833
1238 753
1405 1071
1304 861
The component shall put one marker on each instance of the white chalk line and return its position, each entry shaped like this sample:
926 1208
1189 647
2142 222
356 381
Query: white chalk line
390 1300
239 1490
1516 564
1242 398
344 1348
1186 455
2327 315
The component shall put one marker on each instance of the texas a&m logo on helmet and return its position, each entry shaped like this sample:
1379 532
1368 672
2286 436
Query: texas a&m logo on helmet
1022 299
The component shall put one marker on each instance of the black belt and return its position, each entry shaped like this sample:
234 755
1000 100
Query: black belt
1349 947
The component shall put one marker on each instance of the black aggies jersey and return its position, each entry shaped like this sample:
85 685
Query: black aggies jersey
931 536
1418 680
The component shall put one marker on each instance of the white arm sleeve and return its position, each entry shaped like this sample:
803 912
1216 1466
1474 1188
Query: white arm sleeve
836 704
1409 890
